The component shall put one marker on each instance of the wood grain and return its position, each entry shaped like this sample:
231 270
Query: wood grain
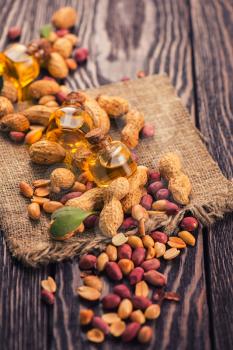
214 71
159 45
24 320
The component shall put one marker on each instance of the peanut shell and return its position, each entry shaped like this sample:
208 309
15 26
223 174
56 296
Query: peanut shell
6 106
57 66
46 152
64 18
43 87
14 122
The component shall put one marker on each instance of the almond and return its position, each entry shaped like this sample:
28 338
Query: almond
88 293
142 289
34 211
43 87
93 281
26 189
51 206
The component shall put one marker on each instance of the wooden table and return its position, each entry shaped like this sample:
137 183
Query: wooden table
192 42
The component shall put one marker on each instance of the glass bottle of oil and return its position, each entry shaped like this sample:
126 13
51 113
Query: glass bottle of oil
21 64
68 126
109 160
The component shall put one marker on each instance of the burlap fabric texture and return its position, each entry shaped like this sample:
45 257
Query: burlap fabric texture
212 193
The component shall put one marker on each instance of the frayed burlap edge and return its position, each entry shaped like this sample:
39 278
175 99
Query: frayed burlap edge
155 96
207 214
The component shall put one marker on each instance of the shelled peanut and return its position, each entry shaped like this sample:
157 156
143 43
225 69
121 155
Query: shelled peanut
126 309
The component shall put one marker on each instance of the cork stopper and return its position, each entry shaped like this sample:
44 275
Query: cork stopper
40 49
95 136
75 97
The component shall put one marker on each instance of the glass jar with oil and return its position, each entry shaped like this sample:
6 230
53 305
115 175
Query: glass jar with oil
109 159
21 64
68 126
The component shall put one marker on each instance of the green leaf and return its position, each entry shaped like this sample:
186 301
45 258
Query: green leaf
67 220
46 30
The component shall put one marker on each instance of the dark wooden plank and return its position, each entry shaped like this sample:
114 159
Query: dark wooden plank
213 50
124 37
24 320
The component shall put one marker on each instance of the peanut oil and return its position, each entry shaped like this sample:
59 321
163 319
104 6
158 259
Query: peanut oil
68 126
18 66
110 160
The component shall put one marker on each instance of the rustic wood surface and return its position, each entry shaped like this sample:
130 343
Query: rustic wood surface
192 43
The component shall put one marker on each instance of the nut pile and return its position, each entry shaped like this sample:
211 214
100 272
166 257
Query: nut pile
131 263
64 56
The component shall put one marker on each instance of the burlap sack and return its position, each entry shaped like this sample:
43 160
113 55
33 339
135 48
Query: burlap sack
212 193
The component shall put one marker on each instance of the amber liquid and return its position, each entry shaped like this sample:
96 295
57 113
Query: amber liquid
18 67
67 126
111 163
